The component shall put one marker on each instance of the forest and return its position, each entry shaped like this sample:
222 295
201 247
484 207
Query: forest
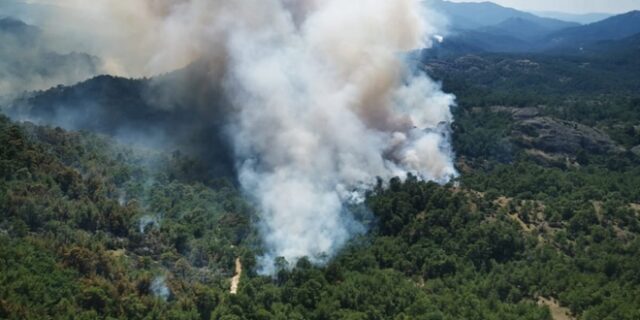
92 228
541 223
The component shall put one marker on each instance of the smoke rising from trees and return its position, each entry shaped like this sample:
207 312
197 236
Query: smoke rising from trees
321 99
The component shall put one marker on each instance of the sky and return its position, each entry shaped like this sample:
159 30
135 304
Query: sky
569 6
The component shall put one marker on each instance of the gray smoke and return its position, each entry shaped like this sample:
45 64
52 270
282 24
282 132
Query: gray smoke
27 61
159 288
147 222
322 99
326 106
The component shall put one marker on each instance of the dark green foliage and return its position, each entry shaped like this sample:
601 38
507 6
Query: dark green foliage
72 246
482 133
75 205
487 79
89 228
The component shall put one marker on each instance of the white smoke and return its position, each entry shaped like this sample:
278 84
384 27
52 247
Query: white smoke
323 99
159 288
325 106
147 222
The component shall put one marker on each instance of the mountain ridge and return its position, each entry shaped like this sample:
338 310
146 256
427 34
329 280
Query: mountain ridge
471 15
583 18
522 35
28 63
613 28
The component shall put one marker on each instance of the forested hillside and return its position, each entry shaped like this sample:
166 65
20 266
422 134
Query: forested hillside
27 61
93 229
119 197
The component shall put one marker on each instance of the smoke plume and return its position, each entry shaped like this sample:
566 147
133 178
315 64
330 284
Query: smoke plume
322 99
324 106
159 288
28 63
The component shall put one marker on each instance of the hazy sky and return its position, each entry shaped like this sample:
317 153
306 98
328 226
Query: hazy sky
571 6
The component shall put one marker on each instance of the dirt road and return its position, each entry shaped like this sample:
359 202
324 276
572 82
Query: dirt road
235 281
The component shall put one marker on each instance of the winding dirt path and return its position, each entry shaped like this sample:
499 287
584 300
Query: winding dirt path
235 281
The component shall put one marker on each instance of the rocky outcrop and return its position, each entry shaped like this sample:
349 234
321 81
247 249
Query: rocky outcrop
565 137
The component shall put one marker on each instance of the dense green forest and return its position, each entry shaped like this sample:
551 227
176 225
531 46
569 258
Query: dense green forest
543 219
94 229
120 199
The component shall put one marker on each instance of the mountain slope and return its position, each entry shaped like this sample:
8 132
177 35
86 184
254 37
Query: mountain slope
155 112
27 62
488 27
579 18
487 41
75 236
614 28
524 35
471 15
520 28
511 35
28 11
90 231
619 52
21 32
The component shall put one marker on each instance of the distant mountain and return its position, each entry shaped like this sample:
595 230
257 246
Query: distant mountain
630 44
179 110
30 12
614 28
490 42
579 18
450 48
27 62
15 26
519 28
488 27
18 32
511 35
624 51
473 15
524 35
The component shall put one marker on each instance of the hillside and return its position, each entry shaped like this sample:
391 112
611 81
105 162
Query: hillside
520 28
19 31
27 62
143 112
521 79
532 218
91 227
623 51
472 15
113 238
26 11
614 28
524 34
485 41
144 199
579 18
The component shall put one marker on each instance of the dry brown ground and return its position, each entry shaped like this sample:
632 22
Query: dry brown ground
557 312
235 281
